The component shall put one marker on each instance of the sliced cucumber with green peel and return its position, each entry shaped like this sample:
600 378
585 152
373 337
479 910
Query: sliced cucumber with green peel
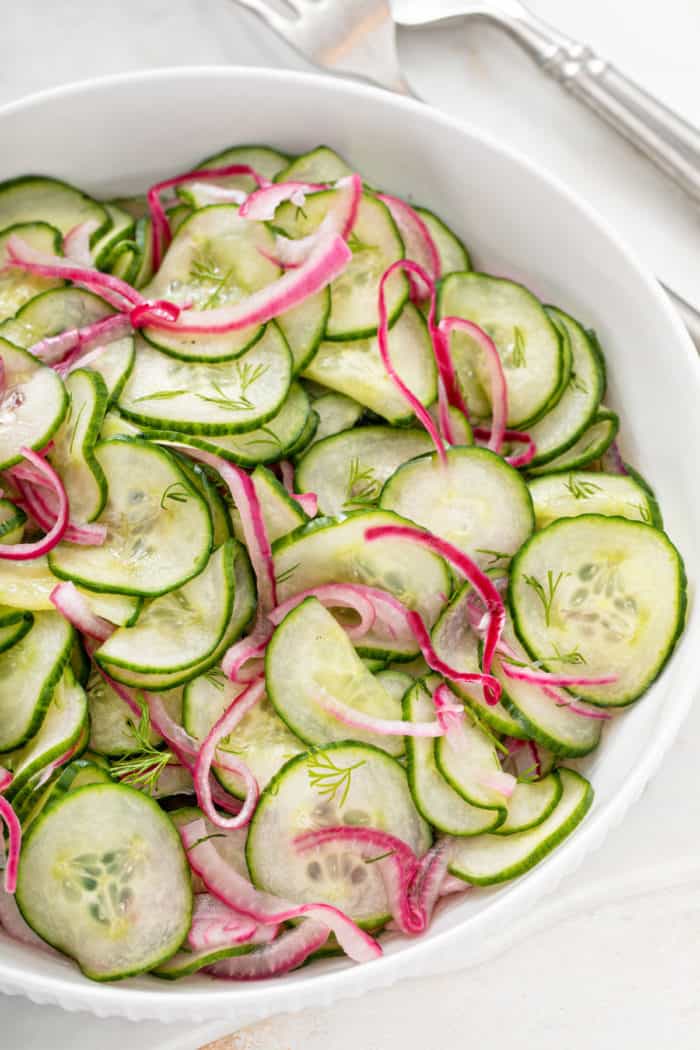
124 261
347 470
13 629
590 446
80 662
12 522
280 512
114 364
17 286
319 165
304 327
557 496
64 723
36 198
53 312
454 257
203 481
467 758
266 444
33 404
164 392
355 368
341 784
29 672
266 161
104 878
262 740
549 723
573 412
328 551
528 343
216 258
243 611
476 501
111 721
185 962
115 425
229 842
530 804
180 628
158 527
73 455
336 413
611 589
306 436
310 657
28 585
490 859
375 243
456 644
122 228
435 799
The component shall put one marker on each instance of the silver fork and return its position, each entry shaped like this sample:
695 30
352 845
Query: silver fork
358 37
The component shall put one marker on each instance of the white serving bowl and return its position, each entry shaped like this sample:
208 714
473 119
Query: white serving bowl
120 134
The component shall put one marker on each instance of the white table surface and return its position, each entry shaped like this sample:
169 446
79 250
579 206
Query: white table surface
614 959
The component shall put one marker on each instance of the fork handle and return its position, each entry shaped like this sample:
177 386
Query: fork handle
665 138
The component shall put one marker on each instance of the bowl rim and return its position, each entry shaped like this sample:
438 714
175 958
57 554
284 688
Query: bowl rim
260 1000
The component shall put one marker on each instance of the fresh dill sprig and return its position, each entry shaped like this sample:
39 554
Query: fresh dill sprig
160 395
363 487
494 556
518 359
329 779
581 489
142 768
283 577
177 492
546 593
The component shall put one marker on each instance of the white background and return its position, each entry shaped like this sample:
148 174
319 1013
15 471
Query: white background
614 960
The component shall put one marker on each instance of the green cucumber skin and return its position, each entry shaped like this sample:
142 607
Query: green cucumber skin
18 519
22 626
583 460
92 435
680 617
541 851
45 694
467 263
554 802
194 357
530 730
20 180
55 422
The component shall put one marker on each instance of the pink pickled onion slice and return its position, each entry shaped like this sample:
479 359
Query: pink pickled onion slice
224 882
73 607
339 219
350 716
451 884
54 348
5 778
449 710
287 474
420 246
499 390
43 509
216 926
22 256
222 728
284 954
415 405
308 501
501 783
210 194
333 595
429 878
15 927
515 459
573 705
262 204
492 687
160 225
612 461
528 674
481 583
76 243
14 830
27 551
243 651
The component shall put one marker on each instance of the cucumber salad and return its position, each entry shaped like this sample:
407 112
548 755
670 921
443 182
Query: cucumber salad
320 570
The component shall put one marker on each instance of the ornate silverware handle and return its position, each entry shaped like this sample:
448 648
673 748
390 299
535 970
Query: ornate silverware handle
666 139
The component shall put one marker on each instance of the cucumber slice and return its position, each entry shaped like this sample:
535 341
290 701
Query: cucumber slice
16 286
266 161
328 551
453 255
589 447
375 242
553 726
144 241
185 962
53 312
32 405
80 662
336 413
613 590
355 368
111 721
490 859
12 522
29 673
319 165
530 804
124 261
347 470
455 642
583 492
529 345
304 327
309 654
243 611
34 198
266 444
280 512
122 228
306 436
262 740
345 783
31 801
105 880
114 364
230 843
115 425
64 723
435 800
218 398
180 628
13 631
216 258
198 477
73 455
28 585
573 413
466 759
477 502
158 527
